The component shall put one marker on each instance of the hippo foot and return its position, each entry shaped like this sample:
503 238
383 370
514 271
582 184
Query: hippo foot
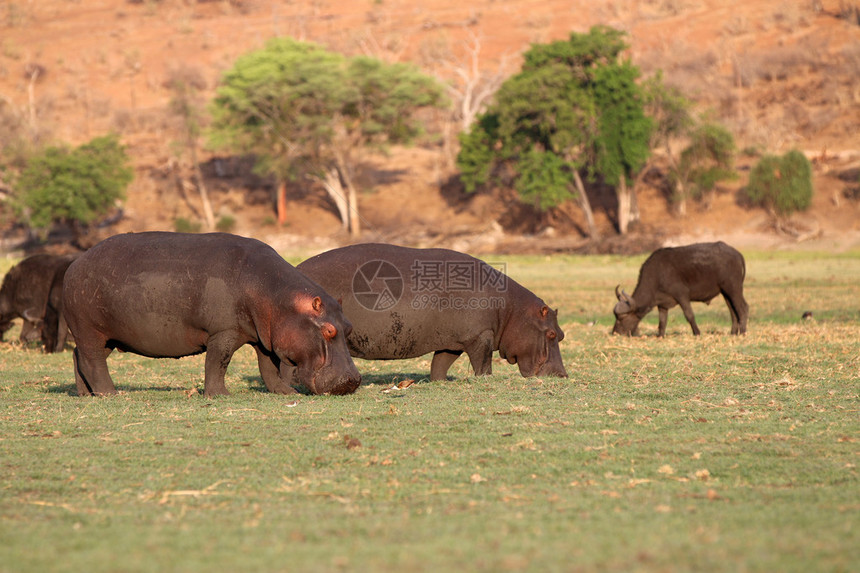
207 393
283 390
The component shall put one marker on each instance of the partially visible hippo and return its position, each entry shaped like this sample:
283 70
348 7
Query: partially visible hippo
405 303
173 294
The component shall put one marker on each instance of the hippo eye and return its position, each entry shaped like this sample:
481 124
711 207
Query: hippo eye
551 334
328 331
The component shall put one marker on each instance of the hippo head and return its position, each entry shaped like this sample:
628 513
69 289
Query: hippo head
626 319
530 340
313 340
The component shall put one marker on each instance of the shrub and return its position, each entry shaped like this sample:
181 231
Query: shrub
183 225
226 224
781 184
75 186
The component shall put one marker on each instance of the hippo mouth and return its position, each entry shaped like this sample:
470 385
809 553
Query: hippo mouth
345 384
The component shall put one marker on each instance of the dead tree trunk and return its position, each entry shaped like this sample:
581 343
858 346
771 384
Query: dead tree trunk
585 204
623 195
281 202
208 214
331 183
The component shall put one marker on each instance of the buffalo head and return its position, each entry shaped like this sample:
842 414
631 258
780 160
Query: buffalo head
626 319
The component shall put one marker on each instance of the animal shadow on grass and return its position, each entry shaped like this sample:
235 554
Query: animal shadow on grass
255 383
68 389
72 389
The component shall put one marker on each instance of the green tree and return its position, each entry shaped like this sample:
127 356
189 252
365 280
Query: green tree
73 186
669 111
708 155
623 134
576 100
707 160
781 184
307 112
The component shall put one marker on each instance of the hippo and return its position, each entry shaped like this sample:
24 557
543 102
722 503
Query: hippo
161 294
406 302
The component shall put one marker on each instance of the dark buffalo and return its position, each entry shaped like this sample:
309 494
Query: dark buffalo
174 294
405 303
679 275
32 290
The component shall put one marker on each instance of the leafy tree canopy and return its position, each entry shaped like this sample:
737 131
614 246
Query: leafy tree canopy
73 185
708 159
573 99
294 100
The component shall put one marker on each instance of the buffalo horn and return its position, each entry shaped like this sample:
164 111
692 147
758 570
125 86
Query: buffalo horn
623 296
30 317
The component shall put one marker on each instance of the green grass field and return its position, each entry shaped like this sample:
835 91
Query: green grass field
713 453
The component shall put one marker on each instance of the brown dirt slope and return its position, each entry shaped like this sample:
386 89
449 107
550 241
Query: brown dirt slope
779 74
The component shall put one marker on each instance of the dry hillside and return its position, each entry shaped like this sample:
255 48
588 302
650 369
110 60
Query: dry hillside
780 74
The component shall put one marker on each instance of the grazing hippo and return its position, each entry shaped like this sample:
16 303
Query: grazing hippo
174 294
32 290
405 303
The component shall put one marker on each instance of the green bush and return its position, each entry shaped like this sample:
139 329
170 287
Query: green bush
75 186
781 184
226 224
183 225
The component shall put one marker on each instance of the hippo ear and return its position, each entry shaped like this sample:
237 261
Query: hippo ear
304 304
544 311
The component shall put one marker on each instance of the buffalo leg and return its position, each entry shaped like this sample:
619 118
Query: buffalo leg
270 372
664 318
688 314
91 372
62 333
219 351
442 361
50 330
734 315
739 310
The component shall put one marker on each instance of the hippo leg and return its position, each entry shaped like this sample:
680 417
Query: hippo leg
480 352
442 361
219 351
271 375
91 372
